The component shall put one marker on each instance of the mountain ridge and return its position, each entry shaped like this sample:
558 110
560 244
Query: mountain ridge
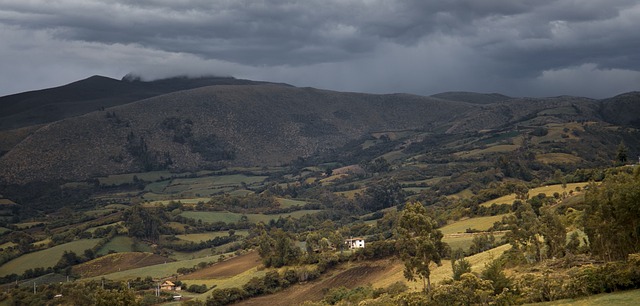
261 123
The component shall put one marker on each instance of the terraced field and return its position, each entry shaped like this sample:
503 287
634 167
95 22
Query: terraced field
222 216
479 223
547 190
45 258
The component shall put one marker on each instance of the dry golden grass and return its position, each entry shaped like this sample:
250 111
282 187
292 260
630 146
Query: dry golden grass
548 190
464 241
479 223
438 273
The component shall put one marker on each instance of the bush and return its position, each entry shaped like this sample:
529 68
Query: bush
197 288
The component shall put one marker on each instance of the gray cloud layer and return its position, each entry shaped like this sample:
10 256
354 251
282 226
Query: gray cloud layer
534 47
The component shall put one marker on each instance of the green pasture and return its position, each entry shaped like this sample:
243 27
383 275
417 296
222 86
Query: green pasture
157 187
191 201
240 193
224 216
93 229
26 225
4 230
209 185
122 244
286 203
548 190
45 258
255 170
179 256
622 298
98 212
119 179
478 223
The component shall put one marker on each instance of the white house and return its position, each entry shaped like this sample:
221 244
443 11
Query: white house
355 243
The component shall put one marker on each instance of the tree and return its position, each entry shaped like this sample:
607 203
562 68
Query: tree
277 249
459 267
143 223
383 194
420 243
622 154
493 272
524 234
612 216
553 231
469 290
482 242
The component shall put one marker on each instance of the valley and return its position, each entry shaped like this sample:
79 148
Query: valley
245 192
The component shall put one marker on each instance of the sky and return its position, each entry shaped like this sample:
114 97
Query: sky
533 48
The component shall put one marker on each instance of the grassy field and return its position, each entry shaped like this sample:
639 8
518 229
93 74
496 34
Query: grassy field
123 244
623 298
190 255
157 271
222 216
464 241
289 202
548 190
439 273
4 230
41 243
26 225
192 201
98 212
45 258
209 235
479 223
203 186
93 229
119 179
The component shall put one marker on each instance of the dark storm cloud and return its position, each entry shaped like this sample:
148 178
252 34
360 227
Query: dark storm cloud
418 46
